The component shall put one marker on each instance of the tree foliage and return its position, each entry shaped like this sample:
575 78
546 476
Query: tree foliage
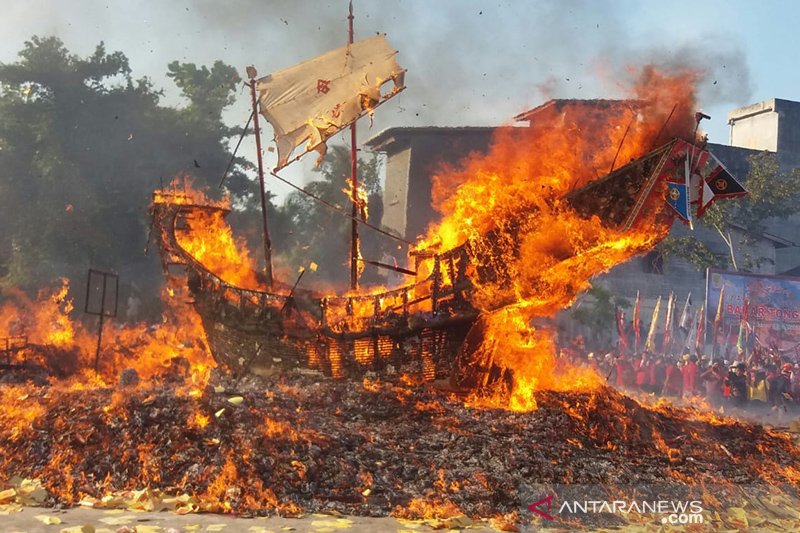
596 312
317 233
774 195
82 146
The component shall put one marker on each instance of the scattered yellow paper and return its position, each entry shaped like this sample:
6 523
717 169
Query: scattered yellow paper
192 527
219 413
148 529
332 524
117 520
219 389
86 528
738 516
458 522
6 509
7 495
31 492
235 400
216 527
48 519
88 501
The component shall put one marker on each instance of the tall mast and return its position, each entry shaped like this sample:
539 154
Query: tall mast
353 180
252 73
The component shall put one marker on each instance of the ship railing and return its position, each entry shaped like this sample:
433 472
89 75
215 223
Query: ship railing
443 288
11 345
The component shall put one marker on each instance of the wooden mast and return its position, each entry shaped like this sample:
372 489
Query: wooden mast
252 73
353 181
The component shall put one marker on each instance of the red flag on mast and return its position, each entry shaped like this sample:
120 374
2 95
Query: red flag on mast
623 337
699 342
717 321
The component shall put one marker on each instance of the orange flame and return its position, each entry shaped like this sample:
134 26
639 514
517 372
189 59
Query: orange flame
554 252
149 349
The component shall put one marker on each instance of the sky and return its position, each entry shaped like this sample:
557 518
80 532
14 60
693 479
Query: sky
470 63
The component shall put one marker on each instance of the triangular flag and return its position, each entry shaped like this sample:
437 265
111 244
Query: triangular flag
724 185
678 200
718 184
706 199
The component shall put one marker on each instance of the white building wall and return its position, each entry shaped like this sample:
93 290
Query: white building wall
755 126
395 202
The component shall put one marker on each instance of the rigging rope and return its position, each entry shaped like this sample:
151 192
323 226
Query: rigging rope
340 210
308 193
233 155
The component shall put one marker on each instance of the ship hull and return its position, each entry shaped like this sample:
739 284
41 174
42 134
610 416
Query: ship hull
418 330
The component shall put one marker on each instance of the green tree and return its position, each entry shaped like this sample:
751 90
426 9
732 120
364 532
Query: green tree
315 232
82 146
774 195
596 311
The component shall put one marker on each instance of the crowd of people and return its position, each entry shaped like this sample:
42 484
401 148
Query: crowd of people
764 379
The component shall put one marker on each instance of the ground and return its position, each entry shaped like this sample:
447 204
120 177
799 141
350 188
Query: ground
32 520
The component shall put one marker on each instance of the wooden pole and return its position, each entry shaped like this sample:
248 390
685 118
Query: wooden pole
353 180
100 327
251 72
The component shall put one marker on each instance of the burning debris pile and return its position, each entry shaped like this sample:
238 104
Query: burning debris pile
299 443
153 425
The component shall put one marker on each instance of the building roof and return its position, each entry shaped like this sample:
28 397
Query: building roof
559 104
765 106
379 142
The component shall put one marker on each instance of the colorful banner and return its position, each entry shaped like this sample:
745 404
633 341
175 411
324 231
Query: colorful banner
772 308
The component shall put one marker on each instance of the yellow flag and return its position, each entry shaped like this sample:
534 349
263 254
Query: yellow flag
650 344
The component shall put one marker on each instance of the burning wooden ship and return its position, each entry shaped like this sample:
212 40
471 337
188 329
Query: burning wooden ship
419 328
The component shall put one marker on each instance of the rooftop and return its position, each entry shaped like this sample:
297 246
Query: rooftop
390 135
560 104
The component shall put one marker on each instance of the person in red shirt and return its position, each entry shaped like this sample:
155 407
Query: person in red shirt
672 380
713 379
643 373
658 374
621 369
689 372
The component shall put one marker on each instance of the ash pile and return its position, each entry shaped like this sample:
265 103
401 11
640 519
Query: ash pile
298 443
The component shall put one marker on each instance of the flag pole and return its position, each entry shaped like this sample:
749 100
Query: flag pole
636 320
353 179
252 73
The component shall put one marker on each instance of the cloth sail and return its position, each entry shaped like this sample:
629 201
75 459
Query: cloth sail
311 101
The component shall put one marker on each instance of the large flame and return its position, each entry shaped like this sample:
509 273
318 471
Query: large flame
553 253
67 347
207 237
